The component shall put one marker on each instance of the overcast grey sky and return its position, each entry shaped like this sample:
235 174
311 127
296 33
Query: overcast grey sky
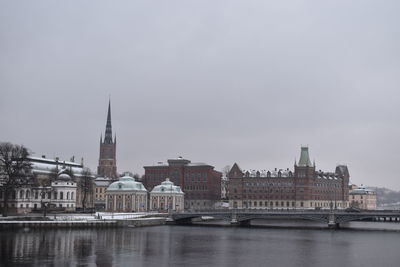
213 81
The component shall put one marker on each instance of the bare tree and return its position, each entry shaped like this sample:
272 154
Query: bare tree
224 182
15 170
85 186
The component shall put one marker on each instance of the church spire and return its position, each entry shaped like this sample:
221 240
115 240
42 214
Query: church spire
108 133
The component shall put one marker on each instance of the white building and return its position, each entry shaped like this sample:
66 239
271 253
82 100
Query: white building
64 192
167 197
126 195
61 195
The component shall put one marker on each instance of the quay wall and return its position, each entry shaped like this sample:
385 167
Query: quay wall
57 224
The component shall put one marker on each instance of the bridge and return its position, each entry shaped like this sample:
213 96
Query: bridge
333 218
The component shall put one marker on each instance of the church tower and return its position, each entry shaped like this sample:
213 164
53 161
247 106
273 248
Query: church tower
107 160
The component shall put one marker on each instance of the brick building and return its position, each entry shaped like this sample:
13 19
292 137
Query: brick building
199 181
305 187
108 148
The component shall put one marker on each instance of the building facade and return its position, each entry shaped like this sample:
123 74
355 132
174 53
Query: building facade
64 193
101 184
362 198
126 195
199 181
167 197
108 148
41 188
303 188
60 195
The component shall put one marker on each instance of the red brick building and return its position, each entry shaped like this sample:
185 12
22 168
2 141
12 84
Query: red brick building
199 181
305 187
108 147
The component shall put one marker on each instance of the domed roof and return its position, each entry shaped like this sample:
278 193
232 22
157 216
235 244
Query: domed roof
126 183
167 187
64 177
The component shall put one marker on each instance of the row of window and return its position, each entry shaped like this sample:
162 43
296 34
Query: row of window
288 184
37 194
196 187
35 206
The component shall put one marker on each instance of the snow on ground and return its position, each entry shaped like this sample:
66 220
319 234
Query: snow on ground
99 216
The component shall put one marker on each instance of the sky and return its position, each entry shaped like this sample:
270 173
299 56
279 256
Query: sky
212 81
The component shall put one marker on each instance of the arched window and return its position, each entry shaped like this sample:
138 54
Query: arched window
55 195
21 194
27 194
61 195
67 195
72 195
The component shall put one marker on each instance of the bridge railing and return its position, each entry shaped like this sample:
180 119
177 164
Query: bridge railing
287 211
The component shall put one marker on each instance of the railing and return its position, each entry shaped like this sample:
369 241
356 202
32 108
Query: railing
287 211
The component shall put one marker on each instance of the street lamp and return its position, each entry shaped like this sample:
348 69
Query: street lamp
45 204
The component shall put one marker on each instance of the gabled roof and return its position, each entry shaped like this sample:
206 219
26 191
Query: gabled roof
235 169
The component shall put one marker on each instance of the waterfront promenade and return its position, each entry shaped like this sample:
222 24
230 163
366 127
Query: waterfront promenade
96 220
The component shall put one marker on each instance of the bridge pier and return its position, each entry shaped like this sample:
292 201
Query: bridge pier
333 225
187 221
240 223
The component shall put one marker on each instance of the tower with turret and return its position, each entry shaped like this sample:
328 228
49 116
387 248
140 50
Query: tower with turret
108 147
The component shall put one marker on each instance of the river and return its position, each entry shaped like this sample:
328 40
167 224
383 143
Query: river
199 246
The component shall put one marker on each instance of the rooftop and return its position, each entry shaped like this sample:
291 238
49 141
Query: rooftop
167 187
126 183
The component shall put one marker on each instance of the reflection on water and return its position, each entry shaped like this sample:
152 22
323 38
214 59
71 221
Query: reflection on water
198 246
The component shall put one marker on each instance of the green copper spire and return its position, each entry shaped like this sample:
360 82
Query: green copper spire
304 157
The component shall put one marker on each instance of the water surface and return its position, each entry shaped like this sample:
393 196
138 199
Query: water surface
199 246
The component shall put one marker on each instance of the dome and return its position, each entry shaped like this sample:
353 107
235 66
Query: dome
167 187
126 183
64 177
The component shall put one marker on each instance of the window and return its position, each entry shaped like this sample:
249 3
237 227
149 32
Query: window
36 195
21 194
55 195
61 195
67 195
